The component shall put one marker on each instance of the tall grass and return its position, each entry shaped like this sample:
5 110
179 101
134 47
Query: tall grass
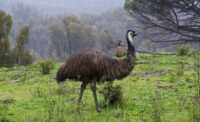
194 107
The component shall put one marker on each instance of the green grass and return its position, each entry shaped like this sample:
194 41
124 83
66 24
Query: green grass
156 90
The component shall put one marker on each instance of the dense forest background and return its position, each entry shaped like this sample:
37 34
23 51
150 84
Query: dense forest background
61 29
60 35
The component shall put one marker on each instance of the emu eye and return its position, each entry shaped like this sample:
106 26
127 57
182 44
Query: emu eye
132 33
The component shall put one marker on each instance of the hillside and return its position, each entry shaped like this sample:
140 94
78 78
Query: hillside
160 88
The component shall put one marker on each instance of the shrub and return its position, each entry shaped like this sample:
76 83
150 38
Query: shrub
39 92
187 78
172 77
180 71
183 50
7 101
63 89
157 107
46 65
112 94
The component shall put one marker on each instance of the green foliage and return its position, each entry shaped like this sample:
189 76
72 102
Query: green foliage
172 77
187 78
157 109
3 112
47 65
27 15
77 36
106 39
57 38
5 26
39 92
151 97
112 95
22 38
58 43
183 50
193 108
69 37
7 101
22 56
196 63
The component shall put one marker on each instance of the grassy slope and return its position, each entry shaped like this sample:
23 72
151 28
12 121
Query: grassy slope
36 97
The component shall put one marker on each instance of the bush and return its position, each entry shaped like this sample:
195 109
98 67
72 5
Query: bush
183 50
172 77
7 101
111 94
46 65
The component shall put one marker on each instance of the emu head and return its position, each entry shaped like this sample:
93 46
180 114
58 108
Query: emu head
129 36
119 42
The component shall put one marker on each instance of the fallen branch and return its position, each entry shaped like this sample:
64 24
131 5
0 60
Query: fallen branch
13 81
154 53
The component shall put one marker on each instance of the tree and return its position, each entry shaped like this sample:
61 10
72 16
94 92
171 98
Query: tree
106 39
5 26
23 57
69 36
91 37
77 36
179 20
26 15
58 44
66 21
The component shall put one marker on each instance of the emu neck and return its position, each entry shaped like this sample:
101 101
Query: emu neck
130 58
121 69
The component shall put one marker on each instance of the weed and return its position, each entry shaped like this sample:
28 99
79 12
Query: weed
39 92
7 101
3 113
64 89
2 77
183 50
172 77
24 77
112 95
194 107
46 65
156 107
193 111
187 78
180 69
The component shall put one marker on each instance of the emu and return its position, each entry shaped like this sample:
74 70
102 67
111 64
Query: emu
120 50
91 67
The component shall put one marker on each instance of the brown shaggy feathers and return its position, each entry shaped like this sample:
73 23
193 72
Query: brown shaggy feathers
93 65
120 51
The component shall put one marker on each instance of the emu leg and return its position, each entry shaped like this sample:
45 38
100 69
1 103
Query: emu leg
93 87
83 86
